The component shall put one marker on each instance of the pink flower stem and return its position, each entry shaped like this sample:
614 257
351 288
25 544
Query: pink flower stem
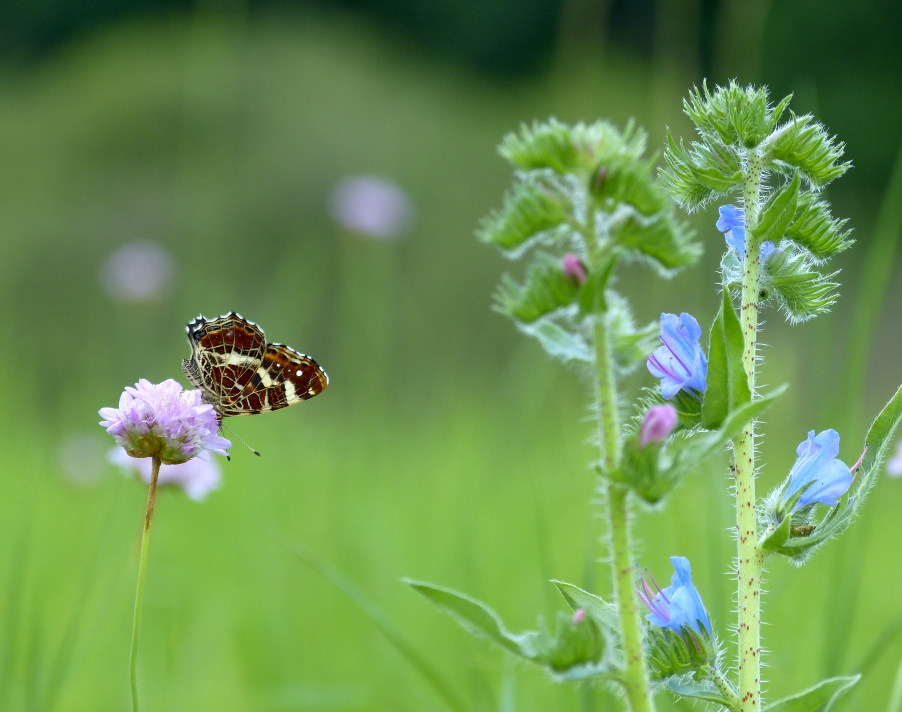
142 571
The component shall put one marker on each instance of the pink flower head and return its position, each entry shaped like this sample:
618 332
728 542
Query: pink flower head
579 615
659 423
198 477
574 268
164 421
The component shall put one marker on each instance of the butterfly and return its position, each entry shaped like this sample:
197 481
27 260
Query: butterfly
238 373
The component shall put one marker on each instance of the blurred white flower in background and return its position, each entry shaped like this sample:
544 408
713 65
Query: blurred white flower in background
137 272
371 206
198 476
82 458
894 465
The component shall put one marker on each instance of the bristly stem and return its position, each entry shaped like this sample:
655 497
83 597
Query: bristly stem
750 561
142 571
724 687
635 676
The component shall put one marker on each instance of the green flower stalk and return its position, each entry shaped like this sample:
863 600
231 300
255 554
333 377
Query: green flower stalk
170 426
775 241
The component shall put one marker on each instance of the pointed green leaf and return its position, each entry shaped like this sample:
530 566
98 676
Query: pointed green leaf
704 444
728 385
604 613
547 288
804 144
665 242
592 297
778 212
533 209
819 698
801 291
475 617
815 229
776 537
558 342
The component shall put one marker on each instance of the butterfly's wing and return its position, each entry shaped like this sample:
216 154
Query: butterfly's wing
284 377
226 353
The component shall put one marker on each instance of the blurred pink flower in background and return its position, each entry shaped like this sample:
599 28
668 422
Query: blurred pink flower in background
137 272
894 465
81 458
198 477
371 206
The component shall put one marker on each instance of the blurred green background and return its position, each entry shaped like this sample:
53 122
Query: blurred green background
220 138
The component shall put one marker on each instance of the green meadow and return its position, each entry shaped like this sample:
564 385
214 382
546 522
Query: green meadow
447 447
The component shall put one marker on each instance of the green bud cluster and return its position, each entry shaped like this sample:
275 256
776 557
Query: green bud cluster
588 191
736 126
573 645
673 654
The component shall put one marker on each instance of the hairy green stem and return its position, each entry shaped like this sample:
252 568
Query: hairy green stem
750 560
142 571
724 687
635 677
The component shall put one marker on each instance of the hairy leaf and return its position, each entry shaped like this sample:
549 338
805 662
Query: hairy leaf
816 230
558 342
661 240
547 289
801 291
804 144
728 385
818 698
475 617
570 149
778 212
535 207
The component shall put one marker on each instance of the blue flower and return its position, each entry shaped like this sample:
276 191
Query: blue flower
817 463
732 222
679 363
679 604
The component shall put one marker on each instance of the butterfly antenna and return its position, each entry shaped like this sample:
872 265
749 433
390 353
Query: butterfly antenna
239 439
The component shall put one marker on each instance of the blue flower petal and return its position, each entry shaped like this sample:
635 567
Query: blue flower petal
817 464
680 603
679 363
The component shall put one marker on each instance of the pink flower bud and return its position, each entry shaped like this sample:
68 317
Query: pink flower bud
660 420
579 616
574 268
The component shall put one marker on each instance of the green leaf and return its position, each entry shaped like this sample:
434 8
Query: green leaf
547 288
570 149
819 698
475 617
778 213
728 385
592 295
679 180
623 179
804 144
801 291
604 613
558 342
706 443
663 241
701 690
776 537
533 209
816 230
